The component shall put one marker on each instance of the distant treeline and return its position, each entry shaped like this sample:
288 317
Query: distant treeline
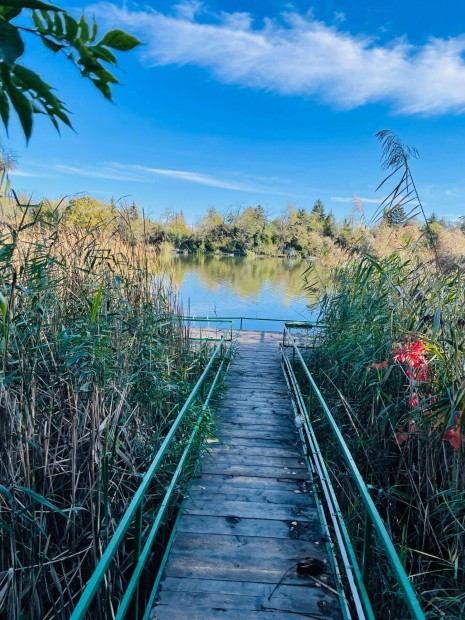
251 230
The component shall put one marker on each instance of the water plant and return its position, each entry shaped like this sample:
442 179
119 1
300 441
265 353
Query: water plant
391 362
94 365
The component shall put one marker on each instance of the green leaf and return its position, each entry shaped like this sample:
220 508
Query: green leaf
4 108
71 26
23 107
437 321
84 34
31 4
37 21
9 13
103 53
46 17
51 45
3 306
103 88
42 92
93 34
58 26
11 44
96 303
119 40
7 493
42 500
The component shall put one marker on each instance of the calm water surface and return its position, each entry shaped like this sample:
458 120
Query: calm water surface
241 286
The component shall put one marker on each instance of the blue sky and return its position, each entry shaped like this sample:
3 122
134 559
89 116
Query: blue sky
231 104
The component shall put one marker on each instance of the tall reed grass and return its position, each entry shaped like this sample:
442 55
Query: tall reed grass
94 365
391 362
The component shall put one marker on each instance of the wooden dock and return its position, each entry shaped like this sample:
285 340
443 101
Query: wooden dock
250 517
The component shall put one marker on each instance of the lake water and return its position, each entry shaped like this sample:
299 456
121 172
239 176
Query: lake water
232 286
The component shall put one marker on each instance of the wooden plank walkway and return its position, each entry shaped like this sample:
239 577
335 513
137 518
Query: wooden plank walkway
250 517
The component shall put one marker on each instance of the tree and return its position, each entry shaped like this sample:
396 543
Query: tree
24 90
318 211
87 211
330 225
395 215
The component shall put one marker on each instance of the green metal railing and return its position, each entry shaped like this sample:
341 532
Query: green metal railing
218 322
356 575
242 320
129 604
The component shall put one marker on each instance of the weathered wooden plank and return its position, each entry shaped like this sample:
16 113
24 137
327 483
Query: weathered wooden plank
298 592
263 528
316 602
240 419
234 567
282 553
289 462
263 496
162 612
248 480
261 471
227 431
274 442
250 509
285 451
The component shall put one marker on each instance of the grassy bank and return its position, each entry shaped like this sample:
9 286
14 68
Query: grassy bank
391 362
94 367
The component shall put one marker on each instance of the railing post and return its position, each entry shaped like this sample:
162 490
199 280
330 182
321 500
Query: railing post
134 609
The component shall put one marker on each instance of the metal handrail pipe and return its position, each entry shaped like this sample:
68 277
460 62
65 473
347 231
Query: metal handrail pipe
132 585
109 553
392 556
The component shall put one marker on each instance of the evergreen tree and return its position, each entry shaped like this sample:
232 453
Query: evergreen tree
330 226
318 211
395 216
133 211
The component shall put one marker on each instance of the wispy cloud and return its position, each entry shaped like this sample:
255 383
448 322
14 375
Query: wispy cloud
31 174
138 173
296 54
350 199
198 177
95 173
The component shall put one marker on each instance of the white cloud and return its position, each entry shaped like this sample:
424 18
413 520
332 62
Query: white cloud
94 173
197 177
296 54
31 174
117 171
350 199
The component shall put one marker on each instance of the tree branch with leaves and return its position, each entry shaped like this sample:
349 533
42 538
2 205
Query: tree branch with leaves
24 90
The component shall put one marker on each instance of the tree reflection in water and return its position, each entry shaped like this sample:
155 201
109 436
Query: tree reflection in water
242 286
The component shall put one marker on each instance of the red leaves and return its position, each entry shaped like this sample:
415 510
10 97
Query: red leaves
413 354
403 437
452 434
413 400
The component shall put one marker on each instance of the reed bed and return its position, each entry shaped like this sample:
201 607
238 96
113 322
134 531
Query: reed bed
94 365
391 362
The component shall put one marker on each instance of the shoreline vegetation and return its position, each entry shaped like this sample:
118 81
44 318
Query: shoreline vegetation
391 364
297 233
95 365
